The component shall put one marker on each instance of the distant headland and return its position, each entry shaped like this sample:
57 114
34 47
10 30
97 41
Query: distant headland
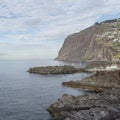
100 42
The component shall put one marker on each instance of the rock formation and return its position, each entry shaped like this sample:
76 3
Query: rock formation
53 70
100 106
101 81
100 42
66 69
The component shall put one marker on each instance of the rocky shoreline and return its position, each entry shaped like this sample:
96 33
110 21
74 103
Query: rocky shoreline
104 104
99 47
66 69
100 42
98 106
98 82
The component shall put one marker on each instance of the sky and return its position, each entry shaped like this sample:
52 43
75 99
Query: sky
36 29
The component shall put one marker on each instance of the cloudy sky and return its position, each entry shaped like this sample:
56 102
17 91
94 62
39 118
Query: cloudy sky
36 29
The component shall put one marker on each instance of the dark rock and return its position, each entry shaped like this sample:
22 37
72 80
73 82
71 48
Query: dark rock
100 81
54 70
100 106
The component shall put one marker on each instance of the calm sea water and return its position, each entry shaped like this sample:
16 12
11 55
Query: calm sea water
25 96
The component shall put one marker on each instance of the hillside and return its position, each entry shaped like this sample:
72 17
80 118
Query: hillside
100 42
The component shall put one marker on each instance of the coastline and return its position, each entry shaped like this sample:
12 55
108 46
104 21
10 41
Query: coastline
100 81
97 106
104 84
66 69
103 104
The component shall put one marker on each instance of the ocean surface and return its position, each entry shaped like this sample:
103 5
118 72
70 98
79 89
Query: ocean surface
25 96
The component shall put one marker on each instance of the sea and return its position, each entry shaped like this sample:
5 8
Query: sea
26 96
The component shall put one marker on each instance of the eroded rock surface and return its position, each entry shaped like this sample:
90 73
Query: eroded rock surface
53 70
99 106
100 81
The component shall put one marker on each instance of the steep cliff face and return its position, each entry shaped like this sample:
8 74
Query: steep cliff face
100 42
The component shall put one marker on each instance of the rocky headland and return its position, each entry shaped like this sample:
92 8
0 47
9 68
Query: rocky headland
98 82
102 104
99 42
99 45
66 69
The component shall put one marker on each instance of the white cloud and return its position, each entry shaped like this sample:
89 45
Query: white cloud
45 22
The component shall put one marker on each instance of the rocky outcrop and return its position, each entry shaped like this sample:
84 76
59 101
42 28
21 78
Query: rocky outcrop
54 70
104 104
101 106
101 81
100 42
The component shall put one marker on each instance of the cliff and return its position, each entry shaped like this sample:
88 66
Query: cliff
100 42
